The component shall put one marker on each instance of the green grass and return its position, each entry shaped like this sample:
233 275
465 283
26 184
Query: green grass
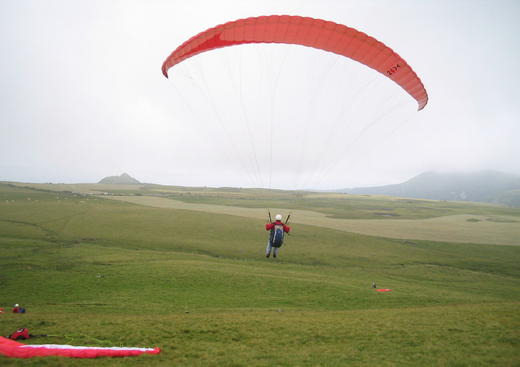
103 273
463 335
334 205
504 230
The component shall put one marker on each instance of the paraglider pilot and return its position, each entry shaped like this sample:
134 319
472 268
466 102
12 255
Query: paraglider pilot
277 231
18 309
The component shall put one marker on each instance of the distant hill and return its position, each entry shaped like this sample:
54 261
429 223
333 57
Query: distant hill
483 186
122 179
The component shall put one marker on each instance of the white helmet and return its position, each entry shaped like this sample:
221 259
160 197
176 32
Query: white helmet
278 217
17 305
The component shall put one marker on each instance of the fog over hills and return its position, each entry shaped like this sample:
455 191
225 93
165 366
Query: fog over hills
482 186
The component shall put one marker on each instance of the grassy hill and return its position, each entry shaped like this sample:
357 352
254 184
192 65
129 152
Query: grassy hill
95 271
123 179
483 186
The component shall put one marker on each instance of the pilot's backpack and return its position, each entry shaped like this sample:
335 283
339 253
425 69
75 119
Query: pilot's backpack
20 334
277 234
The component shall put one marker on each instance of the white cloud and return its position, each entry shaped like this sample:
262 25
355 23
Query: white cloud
83 96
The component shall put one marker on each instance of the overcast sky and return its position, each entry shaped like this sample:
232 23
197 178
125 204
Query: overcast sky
83 97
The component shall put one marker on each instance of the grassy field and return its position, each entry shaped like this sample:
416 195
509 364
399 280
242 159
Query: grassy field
486 229
330 204
371 215
100 272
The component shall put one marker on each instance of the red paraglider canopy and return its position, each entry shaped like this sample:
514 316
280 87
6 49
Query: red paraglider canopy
11 348
383 290
317 33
